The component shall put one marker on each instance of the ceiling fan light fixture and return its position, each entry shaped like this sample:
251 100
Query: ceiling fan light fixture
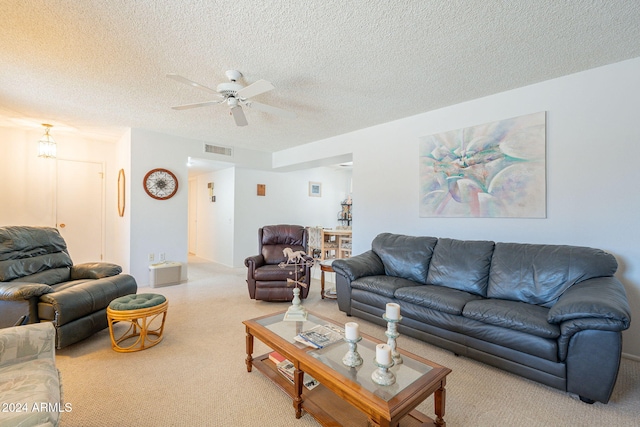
47 145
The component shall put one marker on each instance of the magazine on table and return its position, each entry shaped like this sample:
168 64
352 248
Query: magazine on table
321 336
287 370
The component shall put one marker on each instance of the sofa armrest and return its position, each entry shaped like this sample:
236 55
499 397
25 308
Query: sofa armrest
254 262
94 270
29 342
598 298
363 265
598 304
350 269
18 291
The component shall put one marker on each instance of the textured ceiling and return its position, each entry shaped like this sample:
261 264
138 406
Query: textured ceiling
96 67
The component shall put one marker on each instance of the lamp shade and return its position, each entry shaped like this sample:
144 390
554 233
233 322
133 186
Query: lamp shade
46 145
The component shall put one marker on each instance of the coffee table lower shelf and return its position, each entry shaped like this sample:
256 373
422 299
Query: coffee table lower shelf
325 406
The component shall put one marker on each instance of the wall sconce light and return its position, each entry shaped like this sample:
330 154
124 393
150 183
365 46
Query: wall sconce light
46 145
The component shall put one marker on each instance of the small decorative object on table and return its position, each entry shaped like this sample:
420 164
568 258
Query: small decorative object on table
299 260
321 336
352 337
392 316
382 375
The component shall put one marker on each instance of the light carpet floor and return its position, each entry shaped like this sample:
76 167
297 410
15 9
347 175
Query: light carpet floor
197 375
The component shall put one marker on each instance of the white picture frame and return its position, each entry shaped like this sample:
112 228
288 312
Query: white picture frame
315 189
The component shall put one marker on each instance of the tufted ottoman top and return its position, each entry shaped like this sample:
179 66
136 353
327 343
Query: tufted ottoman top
136 301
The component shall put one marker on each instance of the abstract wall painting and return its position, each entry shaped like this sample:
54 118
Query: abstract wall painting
494 170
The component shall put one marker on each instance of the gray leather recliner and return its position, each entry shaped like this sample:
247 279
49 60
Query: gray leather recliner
38 283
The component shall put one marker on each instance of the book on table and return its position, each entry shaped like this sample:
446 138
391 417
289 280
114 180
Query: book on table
287 369
276 357
321 336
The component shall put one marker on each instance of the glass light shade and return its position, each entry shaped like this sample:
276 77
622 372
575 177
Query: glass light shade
47 146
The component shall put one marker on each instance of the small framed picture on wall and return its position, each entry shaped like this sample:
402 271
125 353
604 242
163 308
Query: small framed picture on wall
315 189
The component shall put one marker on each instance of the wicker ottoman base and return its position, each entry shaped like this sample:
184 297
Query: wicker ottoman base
142 312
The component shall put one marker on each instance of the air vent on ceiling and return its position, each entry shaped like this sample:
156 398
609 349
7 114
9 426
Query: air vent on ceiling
217 149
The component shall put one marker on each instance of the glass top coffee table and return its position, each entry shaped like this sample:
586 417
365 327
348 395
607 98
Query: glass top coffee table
346 396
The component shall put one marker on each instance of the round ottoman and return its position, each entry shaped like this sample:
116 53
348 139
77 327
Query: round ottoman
142 312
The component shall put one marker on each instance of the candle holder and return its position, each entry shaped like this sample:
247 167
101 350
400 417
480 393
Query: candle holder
352 358
383 376
392 334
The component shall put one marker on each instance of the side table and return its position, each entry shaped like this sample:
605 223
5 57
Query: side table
325 267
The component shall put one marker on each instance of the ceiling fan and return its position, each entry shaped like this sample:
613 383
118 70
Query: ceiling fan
235 96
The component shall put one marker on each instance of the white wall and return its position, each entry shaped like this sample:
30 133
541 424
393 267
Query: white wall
593 141
28 183
161 226
22 202
157 226
215 219
287 201
228 228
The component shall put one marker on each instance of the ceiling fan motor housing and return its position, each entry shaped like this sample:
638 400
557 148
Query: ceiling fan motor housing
233 75
228 89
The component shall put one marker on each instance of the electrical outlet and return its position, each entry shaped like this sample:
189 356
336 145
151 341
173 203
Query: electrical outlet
151 257
161 256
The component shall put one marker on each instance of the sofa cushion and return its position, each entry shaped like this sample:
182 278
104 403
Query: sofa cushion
405 256
84 299
26 251
275 272
33 384
382 285
461 264
539 274
273 254
520 316
436 297
51 277
275 238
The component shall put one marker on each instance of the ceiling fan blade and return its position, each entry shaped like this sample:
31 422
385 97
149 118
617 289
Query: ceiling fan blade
184 80
254 89
197 104
271 110
238 116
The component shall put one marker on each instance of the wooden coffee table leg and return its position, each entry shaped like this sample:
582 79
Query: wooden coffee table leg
321 283
438 399
249 351
298 380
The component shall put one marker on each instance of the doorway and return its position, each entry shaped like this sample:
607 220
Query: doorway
79 208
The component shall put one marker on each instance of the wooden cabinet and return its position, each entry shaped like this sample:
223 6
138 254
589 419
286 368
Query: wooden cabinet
335 244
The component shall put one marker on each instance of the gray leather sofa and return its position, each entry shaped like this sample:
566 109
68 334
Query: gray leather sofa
38 283
550 313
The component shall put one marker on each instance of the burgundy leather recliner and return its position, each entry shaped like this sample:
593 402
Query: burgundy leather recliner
266 279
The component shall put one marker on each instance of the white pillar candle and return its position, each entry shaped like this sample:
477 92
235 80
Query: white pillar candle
393 311
351 331
383 354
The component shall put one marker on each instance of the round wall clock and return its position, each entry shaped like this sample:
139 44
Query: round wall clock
160 184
